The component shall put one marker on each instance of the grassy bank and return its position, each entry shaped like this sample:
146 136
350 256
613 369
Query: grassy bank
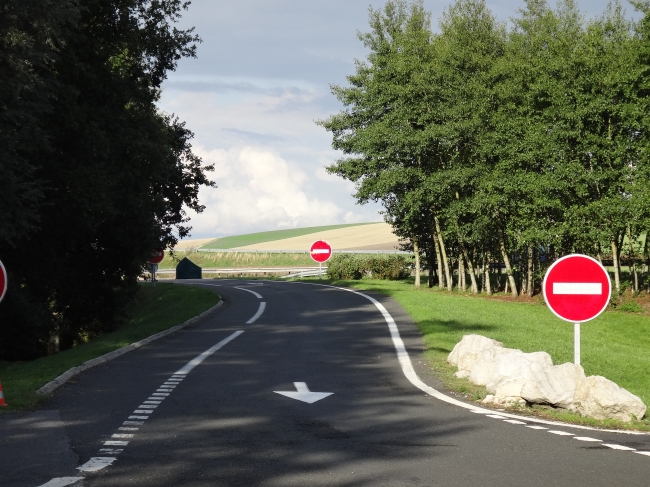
615 345
243 259
154 310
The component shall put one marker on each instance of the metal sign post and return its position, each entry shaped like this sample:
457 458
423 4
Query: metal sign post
577 288
157 257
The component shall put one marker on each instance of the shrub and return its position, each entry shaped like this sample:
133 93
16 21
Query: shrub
630 307
345 266
393 267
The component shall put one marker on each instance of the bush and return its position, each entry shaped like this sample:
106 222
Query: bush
630 307
347 266
393 268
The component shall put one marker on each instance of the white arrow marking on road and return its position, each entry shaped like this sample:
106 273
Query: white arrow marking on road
577 288
304 394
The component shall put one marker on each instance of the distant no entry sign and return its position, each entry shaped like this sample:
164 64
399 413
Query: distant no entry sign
157 256
577 288
320 251
3 281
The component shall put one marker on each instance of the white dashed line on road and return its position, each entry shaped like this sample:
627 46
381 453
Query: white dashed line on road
258 314
618 447
258 296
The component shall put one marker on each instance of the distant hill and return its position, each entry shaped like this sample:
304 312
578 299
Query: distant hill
237 241
355 236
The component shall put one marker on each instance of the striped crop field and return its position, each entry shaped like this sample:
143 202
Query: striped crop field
237 241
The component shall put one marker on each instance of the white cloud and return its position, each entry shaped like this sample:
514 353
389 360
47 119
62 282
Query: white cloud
257 190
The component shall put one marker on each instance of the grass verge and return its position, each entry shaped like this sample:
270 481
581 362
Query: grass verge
154 310
245 259
615 345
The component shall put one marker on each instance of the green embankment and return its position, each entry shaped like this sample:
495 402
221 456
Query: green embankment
154 310
243 259
261 237
615 345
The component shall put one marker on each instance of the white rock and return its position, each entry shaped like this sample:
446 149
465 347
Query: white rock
468 349
510 388
600 398
497 364
554 385
462 374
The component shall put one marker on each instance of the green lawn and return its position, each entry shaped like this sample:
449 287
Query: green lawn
261 237
615 345
156 309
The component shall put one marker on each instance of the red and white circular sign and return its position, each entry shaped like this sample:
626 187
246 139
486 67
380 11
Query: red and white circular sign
157 256
320 251
3 281
577 288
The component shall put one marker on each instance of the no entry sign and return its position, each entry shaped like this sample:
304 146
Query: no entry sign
320 251
3 281
157 256
577 288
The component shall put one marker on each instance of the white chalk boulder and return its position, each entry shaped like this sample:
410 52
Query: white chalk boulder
552 384
600 398
498 364
466 352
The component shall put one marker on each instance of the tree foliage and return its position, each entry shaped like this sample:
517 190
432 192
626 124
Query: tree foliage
496 149
93 176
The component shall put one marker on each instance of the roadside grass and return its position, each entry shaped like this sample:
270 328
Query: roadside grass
261 237
243 259
153 310
615 345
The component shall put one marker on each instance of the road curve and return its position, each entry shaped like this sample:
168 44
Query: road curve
202 408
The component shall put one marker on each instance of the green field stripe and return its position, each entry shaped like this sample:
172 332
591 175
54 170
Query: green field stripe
261 237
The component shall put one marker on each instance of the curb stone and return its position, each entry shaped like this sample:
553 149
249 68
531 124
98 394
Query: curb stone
70 373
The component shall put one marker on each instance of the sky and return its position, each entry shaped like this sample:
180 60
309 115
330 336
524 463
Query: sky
261 79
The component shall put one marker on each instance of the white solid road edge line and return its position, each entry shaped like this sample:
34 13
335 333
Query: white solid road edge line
409 372
260 310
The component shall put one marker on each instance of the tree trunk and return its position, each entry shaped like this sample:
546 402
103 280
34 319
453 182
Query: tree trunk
615 255
432 273
416 251
470 265
461 274
632 266
436 245
506 261
53 343
529 277
443 251
486 274
599 255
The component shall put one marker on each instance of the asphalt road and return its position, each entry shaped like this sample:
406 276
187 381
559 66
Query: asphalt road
216 420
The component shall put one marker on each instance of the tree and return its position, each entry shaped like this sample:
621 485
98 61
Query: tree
115 177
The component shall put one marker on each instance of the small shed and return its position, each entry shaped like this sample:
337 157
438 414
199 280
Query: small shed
186 269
